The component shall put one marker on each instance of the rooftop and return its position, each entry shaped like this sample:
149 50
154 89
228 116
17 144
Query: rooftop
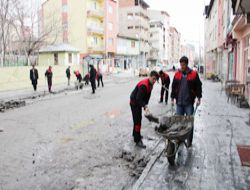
58 48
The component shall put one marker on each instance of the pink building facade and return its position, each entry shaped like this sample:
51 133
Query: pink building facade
111 31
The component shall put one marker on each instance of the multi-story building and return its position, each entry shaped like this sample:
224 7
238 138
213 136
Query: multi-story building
189 51
164 18
175 41
111 31
134 22
211 37
78 23
157 42
127 52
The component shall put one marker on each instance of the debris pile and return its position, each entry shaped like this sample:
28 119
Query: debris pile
11 105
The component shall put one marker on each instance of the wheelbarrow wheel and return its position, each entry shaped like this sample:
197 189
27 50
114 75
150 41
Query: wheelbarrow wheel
171 153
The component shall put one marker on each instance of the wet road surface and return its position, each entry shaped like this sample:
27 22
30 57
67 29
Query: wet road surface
77 140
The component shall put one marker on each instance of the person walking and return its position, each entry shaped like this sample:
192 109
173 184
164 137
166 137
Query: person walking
34 77
92 78
68 74
99 78
186 87
165 82
139 99
49 75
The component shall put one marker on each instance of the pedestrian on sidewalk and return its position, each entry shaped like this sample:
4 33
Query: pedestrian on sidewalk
49 75
165 81
186 87
34 77
92 78
68 74
99 78
139 99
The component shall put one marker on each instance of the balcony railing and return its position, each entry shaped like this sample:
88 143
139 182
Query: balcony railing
98 13
92 29
95 49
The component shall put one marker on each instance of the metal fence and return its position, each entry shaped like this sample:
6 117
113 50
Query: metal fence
17 60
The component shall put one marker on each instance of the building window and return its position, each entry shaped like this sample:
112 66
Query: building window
130 27
110 41
110 26
56 58
130 16
64 8
70 57
132 44
94 41
110 9
95 5
137 27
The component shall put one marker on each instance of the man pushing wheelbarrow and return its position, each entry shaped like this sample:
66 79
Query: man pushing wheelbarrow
178 129
186 87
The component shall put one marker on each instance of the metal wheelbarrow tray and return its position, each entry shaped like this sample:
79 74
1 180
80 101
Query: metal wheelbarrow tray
176 130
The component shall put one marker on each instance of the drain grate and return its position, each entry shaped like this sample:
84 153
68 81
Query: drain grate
244 153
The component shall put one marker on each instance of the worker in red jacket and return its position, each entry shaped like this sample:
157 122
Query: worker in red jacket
186 87
139 99
165 81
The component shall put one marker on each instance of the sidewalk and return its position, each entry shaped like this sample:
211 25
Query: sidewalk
57 88
213 162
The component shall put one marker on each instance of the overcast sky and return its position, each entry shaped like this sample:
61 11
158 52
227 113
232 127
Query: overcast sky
185 15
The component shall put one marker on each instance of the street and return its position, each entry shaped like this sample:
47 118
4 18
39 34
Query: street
76 140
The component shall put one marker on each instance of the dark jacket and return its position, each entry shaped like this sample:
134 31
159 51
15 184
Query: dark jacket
49 74
68 73
194 85
165 80
141 94
92 73
33 77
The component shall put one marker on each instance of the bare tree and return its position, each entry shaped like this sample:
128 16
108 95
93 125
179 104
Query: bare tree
26 23
5 23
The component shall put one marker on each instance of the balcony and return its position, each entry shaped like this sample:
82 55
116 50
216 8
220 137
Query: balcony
95 30
98 13
95 49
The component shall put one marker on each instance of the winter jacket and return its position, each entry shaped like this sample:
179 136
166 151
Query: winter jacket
141 94
165 80
193 82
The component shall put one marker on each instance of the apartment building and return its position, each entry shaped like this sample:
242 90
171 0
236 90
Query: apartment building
77 23
175 44
164 18
134 23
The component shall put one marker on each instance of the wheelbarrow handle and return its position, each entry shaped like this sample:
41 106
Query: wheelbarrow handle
195 109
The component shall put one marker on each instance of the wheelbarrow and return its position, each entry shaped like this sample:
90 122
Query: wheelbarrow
176 130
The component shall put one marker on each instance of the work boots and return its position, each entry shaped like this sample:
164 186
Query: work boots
140 144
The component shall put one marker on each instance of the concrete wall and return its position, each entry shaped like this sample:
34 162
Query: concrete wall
13 78
77 21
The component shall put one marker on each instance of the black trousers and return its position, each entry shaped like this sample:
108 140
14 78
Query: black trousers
137 117
49 83
99 79
164 91
34 84
93 86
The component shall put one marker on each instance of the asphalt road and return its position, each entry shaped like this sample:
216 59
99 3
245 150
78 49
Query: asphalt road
76 140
